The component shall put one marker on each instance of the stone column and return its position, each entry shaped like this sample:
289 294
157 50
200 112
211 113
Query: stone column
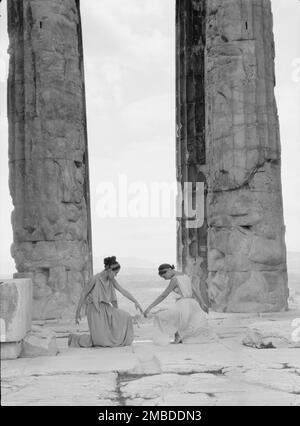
190 141
48 157
246 246
228 138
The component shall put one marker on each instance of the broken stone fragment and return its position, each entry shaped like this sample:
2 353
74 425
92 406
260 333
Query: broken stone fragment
272 334
39 342
147 364
15 309
294 299
10 350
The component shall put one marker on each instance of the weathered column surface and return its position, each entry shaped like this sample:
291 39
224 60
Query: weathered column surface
48 158
190 141
245 241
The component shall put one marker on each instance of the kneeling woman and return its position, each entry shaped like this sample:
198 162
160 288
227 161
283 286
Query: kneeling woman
109 326
186 320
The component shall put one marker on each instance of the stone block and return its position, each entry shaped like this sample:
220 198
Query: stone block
15 308
294 298
248 291
147 363
10 350
273 334
39 342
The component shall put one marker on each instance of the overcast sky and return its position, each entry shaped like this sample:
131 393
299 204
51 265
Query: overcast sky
129 48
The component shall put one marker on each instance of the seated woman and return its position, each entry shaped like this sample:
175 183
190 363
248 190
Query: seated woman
109 326
186 319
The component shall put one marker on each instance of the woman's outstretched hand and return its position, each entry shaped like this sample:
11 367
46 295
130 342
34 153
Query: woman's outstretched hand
146 312
138 307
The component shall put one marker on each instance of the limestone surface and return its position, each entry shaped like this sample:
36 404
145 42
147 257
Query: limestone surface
191 143
294 299
10 350
39 342
48 155
224 372
273 334
246 248
15 309
62 389
228 138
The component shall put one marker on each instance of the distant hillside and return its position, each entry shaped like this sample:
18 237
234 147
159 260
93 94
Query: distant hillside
293 261
136 270
125 270
6 276
126 262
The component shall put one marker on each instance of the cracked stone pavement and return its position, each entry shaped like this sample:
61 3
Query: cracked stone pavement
222 372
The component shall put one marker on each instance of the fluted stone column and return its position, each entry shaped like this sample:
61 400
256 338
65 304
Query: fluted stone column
245 239
48 156
190 141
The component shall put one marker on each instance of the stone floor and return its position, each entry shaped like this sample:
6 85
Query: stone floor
222 372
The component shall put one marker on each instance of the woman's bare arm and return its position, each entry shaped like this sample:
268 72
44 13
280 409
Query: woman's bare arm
199 299
126 293
163 295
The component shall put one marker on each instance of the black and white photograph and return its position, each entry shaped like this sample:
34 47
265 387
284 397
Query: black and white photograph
150 206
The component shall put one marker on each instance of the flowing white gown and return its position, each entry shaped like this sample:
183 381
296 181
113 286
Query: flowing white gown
186 318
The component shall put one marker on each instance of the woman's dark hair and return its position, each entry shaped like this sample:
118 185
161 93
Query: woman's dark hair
111 263
162 268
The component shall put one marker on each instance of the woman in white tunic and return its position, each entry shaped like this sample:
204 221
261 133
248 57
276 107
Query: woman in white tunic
186 320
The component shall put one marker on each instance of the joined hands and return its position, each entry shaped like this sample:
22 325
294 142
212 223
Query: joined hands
145 313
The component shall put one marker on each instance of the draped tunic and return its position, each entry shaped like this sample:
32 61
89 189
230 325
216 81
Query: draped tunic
109 326
186 317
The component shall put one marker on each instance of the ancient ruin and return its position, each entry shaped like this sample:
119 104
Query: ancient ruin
227 138
190 146
48 155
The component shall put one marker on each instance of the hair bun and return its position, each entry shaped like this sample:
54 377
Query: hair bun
165 266
108 261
